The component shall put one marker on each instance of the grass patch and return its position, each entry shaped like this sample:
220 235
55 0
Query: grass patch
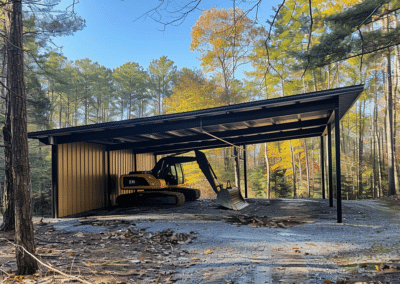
378 250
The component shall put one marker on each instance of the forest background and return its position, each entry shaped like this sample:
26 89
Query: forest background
288 56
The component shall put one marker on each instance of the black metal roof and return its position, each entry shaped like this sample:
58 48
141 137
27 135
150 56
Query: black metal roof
291 117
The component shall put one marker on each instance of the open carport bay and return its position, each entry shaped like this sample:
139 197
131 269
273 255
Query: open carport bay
276 241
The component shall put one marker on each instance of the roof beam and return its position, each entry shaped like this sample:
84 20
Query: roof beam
254 139
226 134
323 105
170 151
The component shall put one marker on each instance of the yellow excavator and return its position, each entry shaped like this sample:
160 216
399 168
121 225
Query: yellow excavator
166 180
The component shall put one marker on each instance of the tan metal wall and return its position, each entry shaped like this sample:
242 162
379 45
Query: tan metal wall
145 162
82 173
82 179
121 162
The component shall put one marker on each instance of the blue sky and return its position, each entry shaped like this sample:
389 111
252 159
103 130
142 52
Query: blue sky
112 37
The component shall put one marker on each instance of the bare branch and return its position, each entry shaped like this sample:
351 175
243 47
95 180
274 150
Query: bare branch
309 38
362 49
155 15
46 265
269 38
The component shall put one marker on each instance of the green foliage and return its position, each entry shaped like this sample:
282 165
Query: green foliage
279 186
258 181
131 82
346 27
163 75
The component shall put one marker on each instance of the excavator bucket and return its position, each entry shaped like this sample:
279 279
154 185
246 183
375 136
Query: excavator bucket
231 198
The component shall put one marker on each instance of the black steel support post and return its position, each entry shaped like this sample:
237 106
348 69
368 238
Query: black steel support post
338 172
245 170
135 161
322 158
330 167
54 180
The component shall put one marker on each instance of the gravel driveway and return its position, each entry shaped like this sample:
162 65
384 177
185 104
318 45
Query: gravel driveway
308 253
319 250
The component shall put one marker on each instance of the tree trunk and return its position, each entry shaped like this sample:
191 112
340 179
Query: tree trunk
395 100
237 167
380 165
293 169
300 175
307 168
374 132
360 148
8 197
268 170
389 126
60 116
16 87
86 109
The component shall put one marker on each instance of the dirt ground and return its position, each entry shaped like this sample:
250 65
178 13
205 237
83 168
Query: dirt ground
276 241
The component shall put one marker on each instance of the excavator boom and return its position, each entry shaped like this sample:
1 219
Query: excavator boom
229 197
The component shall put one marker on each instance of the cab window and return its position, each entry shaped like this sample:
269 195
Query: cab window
179 172
170 177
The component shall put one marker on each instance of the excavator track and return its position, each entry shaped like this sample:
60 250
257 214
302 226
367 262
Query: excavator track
179 197
151 197
191 194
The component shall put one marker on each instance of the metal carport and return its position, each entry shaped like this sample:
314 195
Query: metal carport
291 117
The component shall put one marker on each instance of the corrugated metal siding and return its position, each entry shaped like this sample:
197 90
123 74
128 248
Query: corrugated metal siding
121 162
145 162
82 172
81 178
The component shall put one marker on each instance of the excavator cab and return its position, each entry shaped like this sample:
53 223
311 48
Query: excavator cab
174 175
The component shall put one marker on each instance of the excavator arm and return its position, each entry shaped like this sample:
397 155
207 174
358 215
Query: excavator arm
229 197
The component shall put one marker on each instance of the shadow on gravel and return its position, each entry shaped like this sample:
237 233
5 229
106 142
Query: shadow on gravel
295 211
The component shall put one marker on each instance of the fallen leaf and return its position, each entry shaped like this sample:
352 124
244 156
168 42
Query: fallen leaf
70 254
230 250
295 247
377 267
89 263
207 274
255 255
195 258
327 281
208 251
